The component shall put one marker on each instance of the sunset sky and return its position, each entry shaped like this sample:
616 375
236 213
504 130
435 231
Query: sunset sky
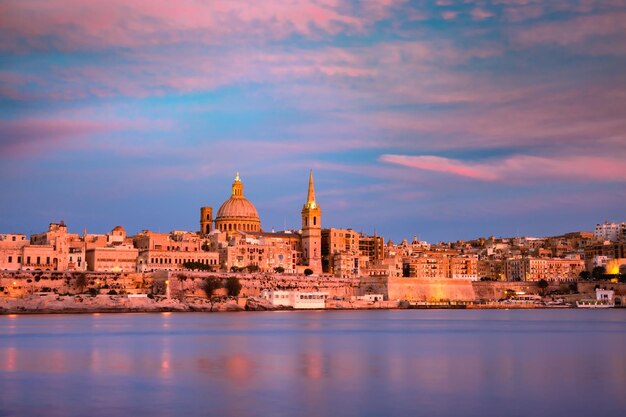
443 119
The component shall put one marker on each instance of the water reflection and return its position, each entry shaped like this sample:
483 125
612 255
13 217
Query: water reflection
438 363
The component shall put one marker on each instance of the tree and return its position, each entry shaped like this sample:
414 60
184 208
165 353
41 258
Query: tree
80 281
585 275
509 293
279 269
308 272
210 285
197 266
543 284
253 268
233 286
598 272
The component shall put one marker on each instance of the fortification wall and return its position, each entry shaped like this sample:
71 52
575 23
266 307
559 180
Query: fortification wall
252 284
495 290
21 283
590 287
414 289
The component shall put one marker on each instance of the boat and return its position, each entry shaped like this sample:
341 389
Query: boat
595 304
604 299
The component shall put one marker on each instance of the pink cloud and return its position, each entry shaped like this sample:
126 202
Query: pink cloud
142 73
70 130
449 15
517 14
586 120
33 136
520 168
574 31
438 164
480 14
75 24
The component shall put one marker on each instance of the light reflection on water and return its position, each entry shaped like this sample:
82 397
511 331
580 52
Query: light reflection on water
366 363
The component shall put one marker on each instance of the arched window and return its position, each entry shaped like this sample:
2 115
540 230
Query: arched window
314 221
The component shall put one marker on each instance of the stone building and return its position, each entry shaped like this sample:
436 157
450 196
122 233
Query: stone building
113 252
265 251
549 269
12 251
440 264
169 251
336 241
372 246
610 231
53 250
118 258
606 250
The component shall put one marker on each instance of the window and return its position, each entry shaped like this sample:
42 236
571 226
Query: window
38 260
10 259
19 259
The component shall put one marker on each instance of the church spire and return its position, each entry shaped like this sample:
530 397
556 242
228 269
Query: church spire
310 200
237 187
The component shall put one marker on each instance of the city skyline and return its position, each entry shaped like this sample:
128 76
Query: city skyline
451 120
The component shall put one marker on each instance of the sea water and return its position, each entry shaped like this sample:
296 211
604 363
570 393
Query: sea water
316 363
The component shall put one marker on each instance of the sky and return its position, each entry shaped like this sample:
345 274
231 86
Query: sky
442 119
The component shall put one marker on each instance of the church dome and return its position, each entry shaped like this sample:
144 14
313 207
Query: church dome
237 213
237 207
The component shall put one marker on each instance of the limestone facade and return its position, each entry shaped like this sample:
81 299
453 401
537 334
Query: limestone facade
53 250
549 269
264 251
12 251
169 251
440 265
336 241
119 258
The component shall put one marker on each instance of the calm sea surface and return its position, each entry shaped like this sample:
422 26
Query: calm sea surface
353 363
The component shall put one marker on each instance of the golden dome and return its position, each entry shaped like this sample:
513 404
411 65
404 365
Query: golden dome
119 229
237 207
237 213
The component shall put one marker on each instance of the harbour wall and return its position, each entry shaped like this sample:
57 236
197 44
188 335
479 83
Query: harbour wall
413 289
20 283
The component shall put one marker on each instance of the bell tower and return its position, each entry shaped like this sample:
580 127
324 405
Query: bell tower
312 230
206 220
